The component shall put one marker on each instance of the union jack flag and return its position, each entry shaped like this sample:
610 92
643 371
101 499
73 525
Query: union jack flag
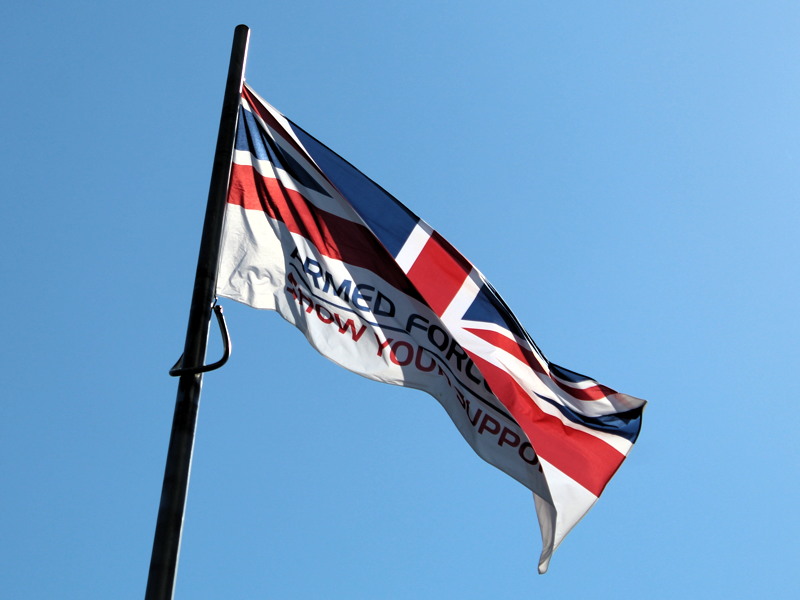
377 290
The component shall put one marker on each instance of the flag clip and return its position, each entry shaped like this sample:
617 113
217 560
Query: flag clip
178 369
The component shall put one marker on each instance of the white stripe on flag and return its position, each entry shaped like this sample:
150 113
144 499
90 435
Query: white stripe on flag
413 247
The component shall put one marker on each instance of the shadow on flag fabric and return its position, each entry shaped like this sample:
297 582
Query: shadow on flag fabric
376 290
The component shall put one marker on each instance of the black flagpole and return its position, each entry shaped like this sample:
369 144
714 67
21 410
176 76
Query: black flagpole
169 526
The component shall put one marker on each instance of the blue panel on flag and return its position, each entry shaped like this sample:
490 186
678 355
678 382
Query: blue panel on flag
390 221
251 138
568 375
490 308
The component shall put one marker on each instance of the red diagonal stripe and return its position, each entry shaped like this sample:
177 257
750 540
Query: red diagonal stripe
594 392
579 455
511 346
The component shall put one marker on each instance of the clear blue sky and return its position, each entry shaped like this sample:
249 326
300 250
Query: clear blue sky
627 174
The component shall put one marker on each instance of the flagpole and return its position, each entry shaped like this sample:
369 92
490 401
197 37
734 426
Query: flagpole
169 525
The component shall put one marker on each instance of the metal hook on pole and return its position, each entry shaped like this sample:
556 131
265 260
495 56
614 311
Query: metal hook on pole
178 369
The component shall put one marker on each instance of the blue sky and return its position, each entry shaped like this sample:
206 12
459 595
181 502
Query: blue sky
626 175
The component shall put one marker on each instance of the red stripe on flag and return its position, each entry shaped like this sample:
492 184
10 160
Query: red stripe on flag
333 236
594 392
438 273
513 347
581 456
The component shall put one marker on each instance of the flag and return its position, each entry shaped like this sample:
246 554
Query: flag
375 289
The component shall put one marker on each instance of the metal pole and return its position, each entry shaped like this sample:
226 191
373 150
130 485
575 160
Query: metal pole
169 526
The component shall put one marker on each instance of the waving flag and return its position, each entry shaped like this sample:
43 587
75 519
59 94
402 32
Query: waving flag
375 289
